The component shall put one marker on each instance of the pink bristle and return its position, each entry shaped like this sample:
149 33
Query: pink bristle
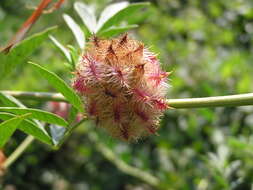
160 104
120 75
116 71
142 95
151 129
149 57
158 77
79 85
142 115
93 66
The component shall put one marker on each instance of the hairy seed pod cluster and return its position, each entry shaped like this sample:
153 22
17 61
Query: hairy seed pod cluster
123 87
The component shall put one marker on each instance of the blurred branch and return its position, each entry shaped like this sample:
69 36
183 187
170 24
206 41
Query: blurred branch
30 22
216 101
21 148
41 96
121 165
52 9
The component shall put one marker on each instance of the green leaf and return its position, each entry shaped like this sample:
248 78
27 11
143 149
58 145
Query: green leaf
74 56
30 128
10 101
72 114
116 13
39 132
114 30
87 15
21 51
7 128
36 114
77 31
60 86
64 50
109 12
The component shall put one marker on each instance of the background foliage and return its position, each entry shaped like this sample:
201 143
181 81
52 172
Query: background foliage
207 45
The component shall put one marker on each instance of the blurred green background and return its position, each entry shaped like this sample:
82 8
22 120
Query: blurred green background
207 45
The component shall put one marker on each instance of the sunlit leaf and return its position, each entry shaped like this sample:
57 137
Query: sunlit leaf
63 50
72 114
8 127
36 129
77 31
21 51
74 56
36 114
60 86
116 13
87 15
30 128
109 12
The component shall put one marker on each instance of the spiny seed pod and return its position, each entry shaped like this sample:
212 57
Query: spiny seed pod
123 87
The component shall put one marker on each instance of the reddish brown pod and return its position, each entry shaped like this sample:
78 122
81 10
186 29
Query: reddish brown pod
123 87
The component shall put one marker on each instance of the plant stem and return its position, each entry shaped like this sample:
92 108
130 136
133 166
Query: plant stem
216 101
42 96
21 148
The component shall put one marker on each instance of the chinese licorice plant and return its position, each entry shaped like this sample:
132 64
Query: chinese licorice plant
117 82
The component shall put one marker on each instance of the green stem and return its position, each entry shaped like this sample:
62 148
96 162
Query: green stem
45 96
21 148
216 101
